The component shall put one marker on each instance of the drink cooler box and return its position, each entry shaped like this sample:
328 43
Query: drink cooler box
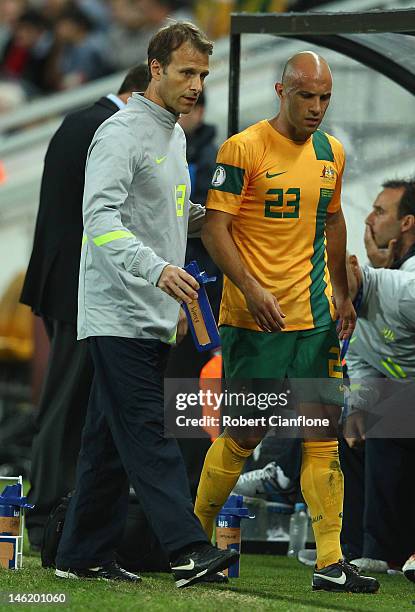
11 527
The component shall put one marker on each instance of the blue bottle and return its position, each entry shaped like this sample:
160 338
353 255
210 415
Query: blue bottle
228 528
199 313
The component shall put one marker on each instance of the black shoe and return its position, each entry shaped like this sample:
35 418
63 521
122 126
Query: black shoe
343 577
111 571
218 578
192 567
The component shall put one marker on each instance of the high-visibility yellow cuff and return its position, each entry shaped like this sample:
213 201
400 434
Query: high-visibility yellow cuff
389 369
393 368
110 236
172 339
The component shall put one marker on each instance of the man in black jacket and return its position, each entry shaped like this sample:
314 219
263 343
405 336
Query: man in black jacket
51 289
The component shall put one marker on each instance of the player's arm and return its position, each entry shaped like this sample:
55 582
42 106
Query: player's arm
336 260
218 240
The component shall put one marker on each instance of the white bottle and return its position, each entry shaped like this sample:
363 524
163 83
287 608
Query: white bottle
298 530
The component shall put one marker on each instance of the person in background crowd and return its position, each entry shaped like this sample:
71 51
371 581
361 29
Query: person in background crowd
125 39
26 54
10 11
134 24
51 289
77 55
52 9
97 10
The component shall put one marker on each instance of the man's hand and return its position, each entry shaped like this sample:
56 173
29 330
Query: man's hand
264 307
354 429
379 258
182 326
347 317
177 283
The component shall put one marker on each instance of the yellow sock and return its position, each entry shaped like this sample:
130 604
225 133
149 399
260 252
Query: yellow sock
322 488
223 464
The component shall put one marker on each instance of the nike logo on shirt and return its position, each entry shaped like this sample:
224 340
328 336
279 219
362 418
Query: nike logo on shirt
160 160
268 175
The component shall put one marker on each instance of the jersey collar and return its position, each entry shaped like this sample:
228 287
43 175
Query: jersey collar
160 114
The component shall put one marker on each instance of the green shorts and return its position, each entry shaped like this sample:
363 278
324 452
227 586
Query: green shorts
311 355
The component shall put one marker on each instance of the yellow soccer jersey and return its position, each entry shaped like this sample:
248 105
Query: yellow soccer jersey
280 192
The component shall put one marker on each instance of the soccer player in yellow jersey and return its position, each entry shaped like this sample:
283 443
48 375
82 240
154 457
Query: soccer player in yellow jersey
275 227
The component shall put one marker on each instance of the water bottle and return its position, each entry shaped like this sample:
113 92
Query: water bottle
199 313
298 530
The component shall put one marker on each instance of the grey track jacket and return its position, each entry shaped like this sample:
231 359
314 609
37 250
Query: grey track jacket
136 213
383 343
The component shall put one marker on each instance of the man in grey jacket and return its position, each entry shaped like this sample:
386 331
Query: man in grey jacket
379 500
51 289
137 214
390 226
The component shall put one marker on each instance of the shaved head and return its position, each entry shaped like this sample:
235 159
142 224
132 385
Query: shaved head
304 93
304 67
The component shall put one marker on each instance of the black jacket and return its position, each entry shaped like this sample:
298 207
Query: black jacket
51 283
201 156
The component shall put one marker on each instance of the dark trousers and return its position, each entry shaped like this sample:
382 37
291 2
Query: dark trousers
379 504
352 462
61 416
123 442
